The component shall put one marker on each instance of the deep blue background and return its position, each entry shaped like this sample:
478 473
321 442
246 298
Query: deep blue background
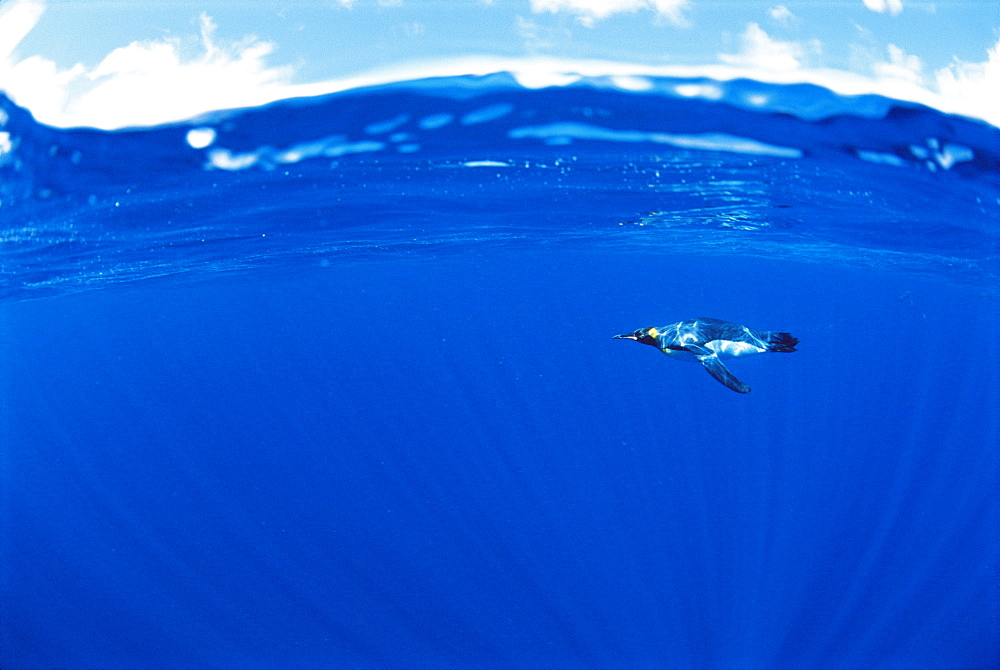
448 463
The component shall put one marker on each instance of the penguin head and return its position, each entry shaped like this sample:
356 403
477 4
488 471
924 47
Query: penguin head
644 335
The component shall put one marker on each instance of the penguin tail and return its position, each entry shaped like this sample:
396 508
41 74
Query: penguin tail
781 342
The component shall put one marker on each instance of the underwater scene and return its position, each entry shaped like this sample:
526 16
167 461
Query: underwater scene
334 382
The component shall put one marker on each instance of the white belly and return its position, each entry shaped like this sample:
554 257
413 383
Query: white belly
722 349
727 349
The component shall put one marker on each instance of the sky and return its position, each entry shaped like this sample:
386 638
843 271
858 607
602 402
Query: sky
124 63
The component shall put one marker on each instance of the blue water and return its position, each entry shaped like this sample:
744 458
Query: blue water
338 390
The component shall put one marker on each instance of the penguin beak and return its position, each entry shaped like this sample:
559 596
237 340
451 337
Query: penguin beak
627 336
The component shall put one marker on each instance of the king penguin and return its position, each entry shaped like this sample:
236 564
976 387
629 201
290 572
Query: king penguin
708 341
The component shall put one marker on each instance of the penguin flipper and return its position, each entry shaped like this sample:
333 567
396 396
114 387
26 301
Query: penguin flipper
722 374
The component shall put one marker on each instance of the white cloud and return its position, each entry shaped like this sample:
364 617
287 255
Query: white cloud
759 50
900 66
17 20
37 84
33 82
781 14
590 11
973 88
149 82
882 6
147 75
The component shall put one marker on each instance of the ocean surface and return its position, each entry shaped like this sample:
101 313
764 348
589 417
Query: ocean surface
330 383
